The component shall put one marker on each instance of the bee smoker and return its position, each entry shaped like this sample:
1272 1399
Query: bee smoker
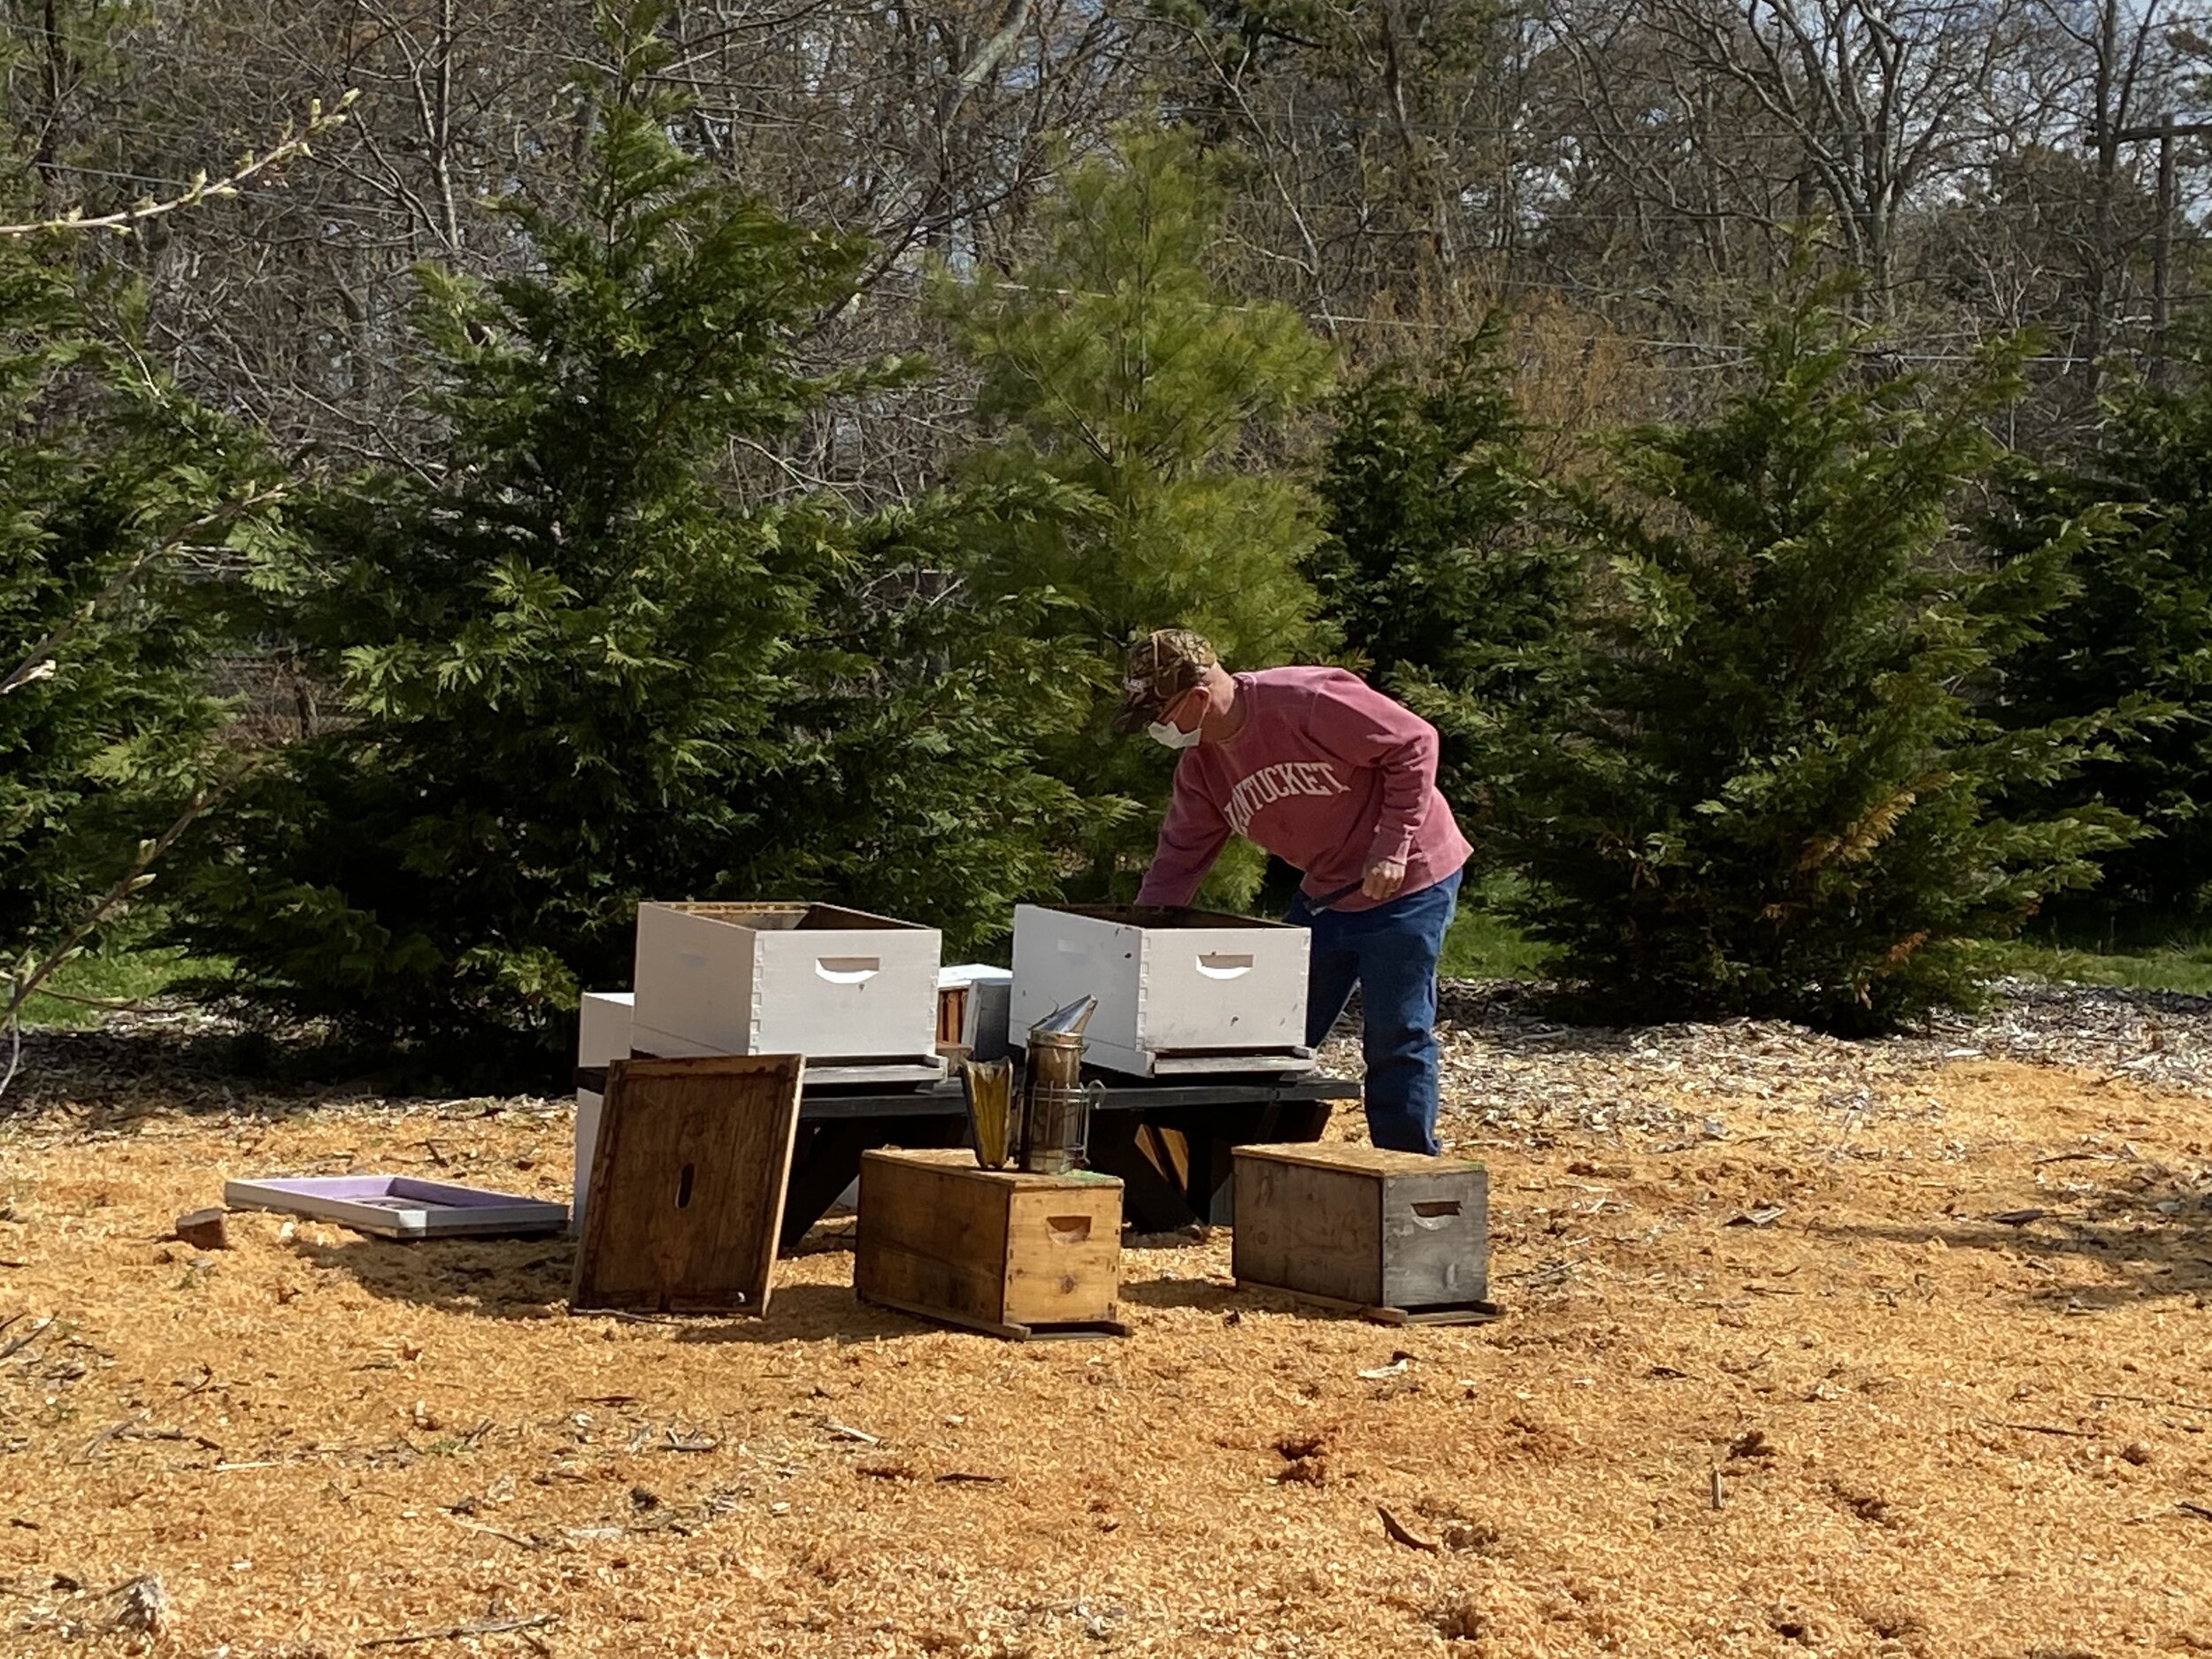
1055 1120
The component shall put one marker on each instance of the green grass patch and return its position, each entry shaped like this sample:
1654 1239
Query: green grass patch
2184 964
83 989
1483 943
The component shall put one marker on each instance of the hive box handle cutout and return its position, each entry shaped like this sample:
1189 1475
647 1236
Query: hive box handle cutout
848 970
1068 1229
1435 1212
1221 965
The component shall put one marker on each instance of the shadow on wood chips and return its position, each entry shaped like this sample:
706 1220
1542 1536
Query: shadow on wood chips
485 1278
528 1280
2145 1261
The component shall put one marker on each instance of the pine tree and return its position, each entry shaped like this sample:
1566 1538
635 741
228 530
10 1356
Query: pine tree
1772 790
2137 623
1435 565
126 509
1132 480
577 669
917 791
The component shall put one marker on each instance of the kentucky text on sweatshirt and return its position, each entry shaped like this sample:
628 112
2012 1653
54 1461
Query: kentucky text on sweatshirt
1326 773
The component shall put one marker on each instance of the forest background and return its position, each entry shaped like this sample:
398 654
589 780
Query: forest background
584 454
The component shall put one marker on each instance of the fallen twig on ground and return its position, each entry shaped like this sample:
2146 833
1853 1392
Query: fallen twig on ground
457 1632
1403 1533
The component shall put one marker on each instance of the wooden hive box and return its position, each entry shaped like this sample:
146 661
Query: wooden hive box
972 999
1396 1235
815 979
1179 993
1016 1254
689 1170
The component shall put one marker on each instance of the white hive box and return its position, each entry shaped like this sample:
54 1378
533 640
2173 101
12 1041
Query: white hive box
840 986
1179 993
602 1033
979 995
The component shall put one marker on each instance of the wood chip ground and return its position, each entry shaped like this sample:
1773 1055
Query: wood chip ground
1929 1432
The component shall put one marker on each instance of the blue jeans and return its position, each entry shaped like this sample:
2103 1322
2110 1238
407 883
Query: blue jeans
1390 953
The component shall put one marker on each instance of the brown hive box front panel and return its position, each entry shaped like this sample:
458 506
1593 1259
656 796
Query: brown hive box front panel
997 1249
1356 1225
688 1173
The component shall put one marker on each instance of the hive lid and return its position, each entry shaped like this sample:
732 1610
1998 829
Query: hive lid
1364 1159
1160 918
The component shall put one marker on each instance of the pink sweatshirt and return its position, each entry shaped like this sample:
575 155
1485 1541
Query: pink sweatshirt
1326 773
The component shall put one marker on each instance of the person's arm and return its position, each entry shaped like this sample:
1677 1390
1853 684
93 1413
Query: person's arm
1357 723
1191 838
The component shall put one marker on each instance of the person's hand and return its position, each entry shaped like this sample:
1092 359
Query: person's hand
1384 878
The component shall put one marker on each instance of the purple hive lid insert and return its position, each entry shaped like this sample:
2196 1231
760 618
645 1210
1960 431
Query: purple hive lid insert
398 1206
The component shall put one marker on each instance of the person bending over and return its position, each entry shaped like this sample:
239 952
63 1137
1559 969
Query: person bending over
1320 769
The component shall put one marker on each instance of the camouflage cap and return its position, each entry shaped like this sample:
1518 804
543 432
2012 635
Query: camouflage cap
1161 668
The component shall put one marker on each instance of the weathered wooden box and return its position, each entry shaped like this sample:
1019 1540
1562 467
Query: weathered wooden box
688 1184
833 984
602 1033
1179 992
1396 1235
997 1250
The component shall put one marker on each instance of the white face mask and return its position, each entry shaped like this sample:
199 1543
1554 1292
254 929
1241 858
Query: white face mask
1172 737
